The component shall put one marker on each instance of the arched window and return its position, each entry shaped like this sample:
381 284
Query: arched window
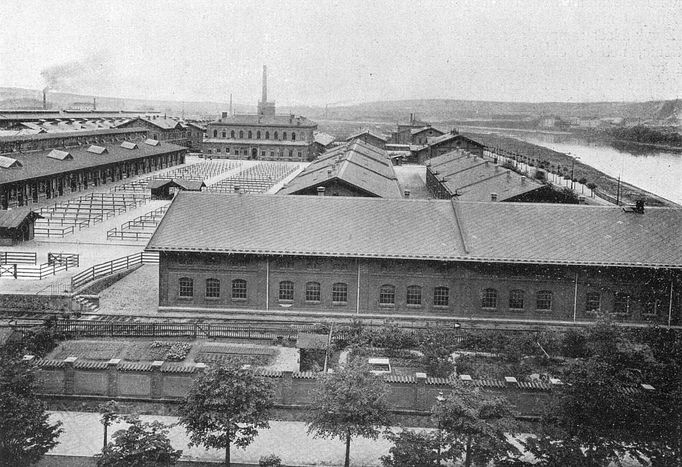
340 293
238 289
291 153
186 287
441 296
241 134
212 288
215 133
275 137
516 299
267 135
286 291
232 134
284 136
312 292
250 134
293 136
224 134
387 295
489 298
258 134
414 295
543 300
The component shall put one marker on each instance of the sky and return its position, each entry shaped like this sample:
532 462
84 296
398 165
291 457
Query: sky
337 52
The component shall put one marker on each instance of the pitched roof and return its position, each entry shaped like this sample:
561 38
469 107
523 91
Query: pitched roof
36 164
65 134
190 185
366 132
323 139
416 131
474 178
11 219
9 162
448 137
266 120
359 164
165 123
421 229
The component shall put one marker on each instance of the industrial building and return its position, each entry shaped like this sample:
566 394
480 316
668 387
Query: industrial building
161 128
374 257
263 136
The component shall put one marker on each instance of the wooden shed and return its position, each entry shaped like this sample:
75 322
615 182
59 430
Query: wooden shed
16 225
166 188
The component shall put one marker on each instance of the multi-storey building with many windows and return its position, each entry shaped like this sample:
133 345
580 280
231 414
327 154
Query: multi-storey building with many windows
263 136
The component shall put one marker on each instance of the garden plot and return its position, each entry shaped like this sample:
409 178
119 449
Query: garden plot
234 353
89 350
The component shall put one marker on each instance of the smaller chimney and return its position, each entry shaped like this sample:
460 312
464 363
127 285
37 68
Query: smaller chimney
237 189
320 191
523 180
406 193
493 196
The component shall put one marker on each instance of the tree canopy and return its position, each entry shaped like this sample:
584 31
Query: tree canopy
226 406
349 403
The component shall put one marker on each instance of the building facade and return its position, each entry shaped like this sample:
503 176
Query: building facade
161 128
263 136
447 143
372 257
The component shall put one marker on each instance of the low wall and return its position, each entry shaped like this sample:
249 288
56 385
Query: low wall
33 302
158 387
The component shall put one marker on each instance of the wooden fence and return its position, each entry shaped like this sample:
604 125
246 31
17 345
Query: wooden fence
18 257
111 267
77 328
56 262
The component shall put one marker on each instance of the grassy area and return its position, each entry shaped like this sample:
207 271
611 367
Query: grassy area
89 350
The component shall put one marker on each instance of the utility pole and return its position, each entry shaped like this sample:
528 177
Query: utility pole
618 192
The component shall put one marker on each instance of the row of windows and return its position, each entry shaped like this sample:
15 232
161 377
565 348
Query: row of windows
245 152
517 299
249 135
413 296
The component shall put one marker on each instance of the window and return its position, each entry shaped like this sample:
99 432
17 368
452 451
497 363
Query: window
217 150
340 292
291 153
387 295
593 301
489 298
215 133
232 134
299 154
414 295
186 287
250 134
241 134
516 298
284 136
543 300
293 136
272 153
267 135
441 296
275 135
621 304
286 291
224 134
212 288
312 292
238 289
258 134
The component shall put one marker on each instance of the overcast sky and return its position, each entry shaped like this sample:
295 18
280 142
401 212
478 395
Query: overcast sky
346 51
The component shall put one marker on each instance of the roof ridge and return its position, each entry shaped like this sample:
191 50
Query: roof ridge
460 224
481 180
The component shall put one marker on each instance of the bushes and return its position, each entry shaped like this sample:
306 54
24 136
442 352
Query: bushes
176 351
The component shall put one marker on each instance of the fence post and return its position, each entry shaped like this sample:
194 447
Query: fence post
156 381
420 391
112 377
69 375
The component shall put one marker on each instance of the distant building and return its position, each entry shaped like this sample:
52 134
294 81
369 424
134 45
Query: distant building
466 177
354 169
263 136
323 141
446 143
369 137
403 133
420 136
195 133
16 226
161 128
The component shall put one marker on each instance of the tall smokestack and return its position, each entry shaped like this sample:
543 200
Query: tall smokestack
231 105
94 103
265 84
45 99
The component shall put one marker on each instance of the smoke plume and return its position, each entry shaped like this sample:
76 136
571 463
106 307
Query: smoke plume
79 76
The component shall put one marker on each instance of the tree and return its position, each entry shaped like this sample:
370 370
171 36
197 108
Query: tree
226 406
477 425
412 448
143 444
349 403
109 414
25 433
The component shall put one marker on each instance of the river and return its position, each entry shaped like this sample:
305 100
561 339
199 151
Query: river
654 170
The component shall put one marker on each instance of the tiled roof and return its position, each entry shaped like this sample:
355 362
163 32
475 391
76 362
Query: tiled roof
65 134
165 123
11 219
295 121
421 229
308 225
323 138
36 164
366 132
474 178
416 131
358 164
434 141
